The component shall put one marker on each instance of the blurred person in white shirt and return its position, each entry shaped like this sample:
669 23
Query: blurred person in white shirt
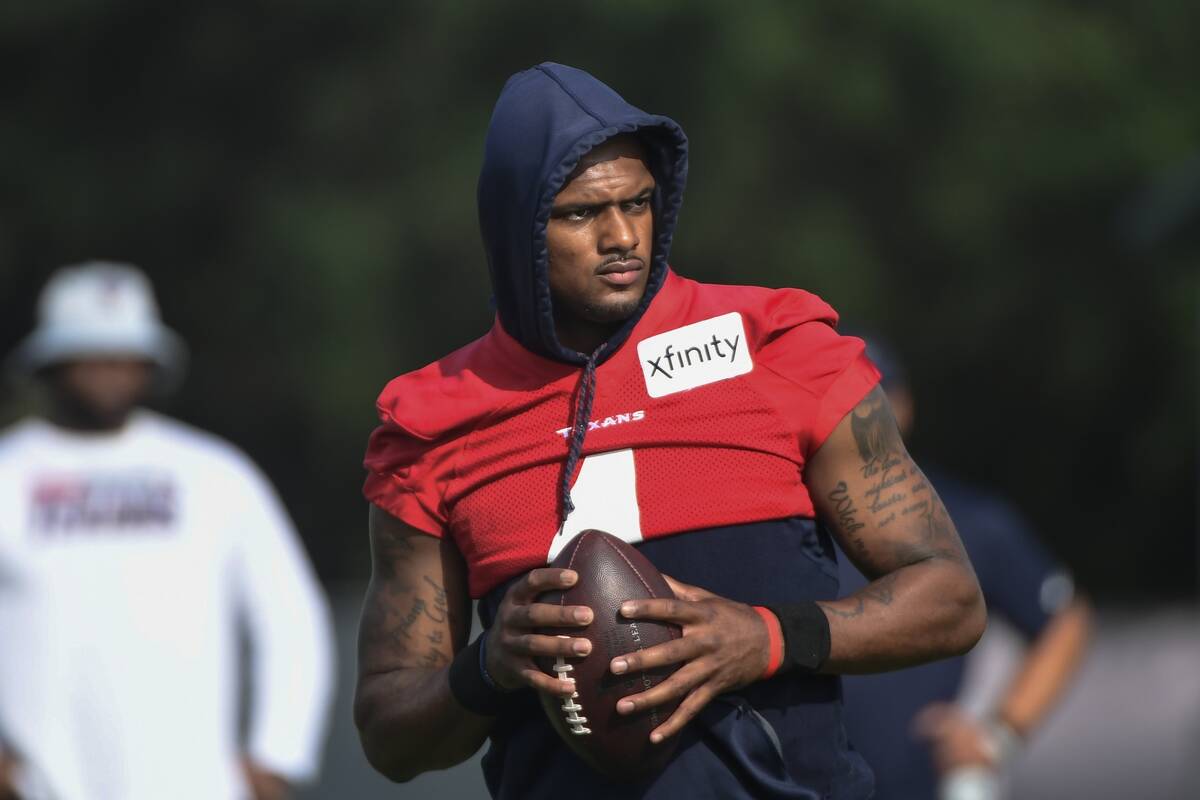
133 551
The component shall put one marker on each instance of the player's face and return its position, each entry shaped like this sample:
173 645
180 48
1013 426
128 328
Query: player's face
105 390
599 240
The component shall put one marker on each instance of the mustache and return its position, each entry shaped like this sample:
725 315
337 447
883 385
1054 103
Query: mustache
620 257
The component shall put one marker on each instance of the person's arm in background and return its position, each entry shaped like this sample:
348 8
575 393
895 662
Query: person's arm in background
1048 669
415 623
289 626
958 740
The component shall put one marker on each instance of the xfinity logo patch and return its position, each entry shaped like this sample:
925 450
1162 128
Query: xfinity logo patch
703 352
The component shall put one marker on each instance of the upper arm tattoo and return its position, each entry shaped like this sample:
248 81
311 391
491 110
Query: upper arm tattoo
885 511
408 619
875 433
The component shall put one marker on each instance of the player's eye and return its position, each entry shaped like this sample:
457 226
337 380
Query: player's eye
638 204
577 214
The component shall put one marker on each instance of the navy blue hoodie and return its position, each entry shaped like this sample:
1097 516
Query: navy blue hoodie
545 120
781 738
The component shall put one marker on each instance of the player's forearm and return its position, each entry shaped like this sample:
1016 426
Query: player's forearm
1048 668
409 723
921 612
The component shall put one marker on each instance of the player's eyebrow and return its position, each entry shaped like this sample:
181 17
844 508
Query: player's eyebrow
583 205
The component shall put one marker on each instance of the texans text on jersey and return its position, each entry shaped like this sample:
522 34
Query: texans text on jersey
608 422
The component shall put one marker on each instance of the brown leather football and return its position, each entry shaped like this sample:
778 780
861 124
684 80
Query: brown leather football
610 572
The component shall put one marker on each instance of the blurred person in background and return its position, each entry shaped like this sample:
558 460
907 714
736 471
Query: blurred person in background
921 744
133 550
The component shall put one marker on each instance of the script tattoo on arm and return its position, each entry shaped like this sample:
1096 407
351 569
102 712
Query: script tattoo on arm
884 511
881 591
847 514
897 489
416 616
406 619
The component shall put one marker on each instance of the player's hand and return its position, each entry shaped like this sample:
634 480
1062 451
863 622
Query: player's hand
513 642
8 776
264 784
955 739
724 646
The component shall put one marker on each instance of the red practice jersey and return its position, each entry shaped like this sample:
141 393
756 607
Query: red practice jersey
704 417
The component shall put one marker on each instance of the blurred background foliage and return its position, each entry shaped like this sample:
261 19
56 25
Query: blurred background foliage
1006 191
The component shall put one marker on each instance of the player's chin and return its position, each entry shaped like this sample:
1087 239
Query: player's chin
616 305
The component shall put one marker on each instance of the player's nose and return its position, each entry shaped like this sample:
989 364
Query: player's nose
617 231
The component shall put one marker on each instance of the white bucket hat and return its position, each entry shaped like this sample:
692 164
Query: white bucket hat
99 309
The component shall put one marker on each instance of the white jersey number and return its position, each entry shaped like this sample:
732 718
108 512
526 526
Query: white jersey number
605 498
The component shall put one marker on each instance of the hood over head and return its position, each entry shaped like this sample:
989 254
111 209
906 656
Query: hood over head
546 119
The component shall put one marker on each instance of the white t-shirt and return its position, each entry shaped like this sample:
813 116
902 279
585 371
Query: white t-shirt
127 562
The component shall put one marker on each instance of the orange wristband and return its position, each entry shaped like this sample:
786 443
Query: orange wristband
774 639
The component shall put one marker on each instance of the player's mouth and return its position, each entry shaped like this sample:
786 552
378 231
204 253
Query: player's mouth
621 273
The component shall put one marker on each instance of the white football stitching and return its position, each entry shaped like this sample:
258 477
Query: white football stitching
569 705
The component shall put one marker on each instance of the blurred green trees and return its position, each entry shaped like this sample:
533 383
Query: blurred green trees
976 181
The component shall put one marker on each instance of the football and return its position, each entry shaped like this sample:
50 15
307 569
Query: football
610 572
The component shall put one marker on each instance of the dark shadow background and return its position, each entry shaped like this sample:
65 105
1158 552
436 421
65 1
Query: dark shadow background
1010 192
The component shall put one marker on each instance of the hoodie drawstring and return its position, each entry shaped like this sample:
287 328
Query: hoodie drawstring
583 413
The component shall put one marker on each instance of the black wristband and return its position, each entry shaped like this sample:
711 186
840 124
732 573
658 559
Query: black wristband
471 686
805 636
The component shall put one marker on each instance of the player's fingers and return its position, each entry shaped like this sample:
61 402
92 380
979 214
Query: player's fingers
533 644
672 652
679 684
688 709
547 615
685 591
541 580
662 608
539 680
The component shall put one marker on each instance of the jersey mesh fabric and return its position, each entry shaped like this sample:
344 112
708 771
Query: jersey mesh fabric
471 446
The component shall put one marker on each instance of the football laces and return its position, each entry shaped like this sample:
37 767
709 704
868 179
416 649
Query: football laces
569 706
